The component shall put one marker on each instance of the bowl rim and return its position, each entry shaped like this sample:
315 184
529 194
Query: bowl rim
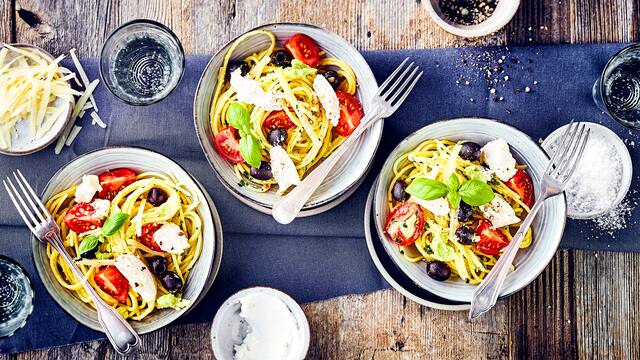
548 255
212 272
69 110
625 159
288 300
471 31
124 25
310 208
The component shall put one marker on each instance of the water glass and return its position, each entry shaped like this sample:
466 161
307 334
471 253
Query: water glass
142 62
617 91
16 296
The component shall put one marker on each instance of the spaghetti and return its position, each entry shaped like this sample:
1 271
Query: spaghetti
439 160
132 200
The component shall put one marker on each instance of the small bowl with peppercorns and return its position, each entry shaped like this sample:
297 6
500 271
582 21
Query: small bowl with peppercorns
472 18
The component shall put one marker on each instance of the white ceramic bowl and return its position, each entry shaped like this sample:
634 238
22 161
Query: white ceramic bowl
226 327
504 12
625 159
548 225
23 142
202 274
347 175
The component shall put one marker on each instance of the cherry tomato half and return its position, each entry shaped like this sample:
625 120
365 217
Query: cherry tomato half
278 119
491 240
80 218
304 49
350 113
405 224
227 145
113 181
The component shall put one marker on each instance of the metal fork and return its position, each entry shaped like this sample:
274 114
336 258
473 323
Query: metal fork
561 166
390 95
39 220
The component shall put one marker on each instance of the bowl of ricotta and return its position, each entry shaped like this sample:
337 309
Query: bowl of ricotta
260 323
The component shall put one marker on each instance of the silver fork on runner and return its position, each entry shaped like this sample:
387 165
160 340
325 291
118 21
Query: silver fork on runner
39 220
390 95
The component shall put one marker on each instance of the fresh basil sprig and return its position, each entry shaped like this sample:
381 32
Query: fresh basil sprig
472 192
110 227
239 118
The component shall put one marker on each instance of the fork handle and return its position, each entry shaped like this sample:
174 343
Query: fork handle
122 336
290 205
486 295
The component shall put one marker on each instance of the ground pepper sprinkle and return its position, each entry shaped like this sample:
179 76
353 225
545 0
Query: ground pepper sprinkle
468 12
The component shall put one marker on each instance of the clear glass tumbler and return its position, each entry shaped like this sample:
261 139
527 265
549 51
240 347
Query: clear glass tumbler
16 296
617 91
142 62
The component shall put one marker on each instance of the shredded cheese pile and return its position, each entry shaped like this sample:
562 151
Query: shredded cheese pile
36 89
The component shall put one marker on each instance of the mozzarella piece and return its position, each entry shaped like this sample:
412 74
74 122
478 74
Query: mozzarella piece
250 92
138 275
439 207
171 239
101 207
89 186
283 168
328 98
497 156
499 212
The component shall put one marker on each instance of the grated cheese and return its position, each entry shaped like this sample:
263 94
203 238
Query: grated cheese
73 134
96 120
76 110
83 74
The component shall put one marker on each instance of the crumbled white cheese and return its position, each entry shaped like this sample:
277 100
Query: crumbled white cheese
101 207
249 91
273 332
171 239
89 186
439 207
497 156
283 168
328 99
138 275
499 212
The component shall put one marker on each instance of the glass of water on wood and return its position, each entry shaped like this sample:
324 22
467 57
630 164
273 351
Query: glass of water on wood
617 91
141 62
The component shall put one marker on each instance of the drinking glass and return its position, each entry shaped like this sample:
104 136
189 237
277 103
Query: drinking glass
141 62
617 91
16 296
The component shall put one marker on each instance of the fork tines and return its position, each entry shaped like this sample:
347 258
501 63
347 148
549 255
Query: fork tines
34 214
569 152
395 89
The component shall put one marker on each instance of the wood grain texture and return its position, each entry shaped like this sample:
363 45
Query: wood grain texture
584 305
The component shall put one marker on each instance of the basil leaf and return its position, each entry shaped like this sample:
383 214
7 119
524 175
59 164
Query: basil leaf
427 189
114 223
476 193
250 150
87 244
454 199
454 182
238 117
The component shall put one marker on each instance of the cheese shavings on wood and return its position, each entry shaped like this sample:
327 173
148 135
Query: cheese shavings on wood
33 88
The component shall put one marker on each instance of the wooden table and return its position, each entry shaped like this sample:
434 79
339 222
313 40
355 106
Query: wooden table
585 305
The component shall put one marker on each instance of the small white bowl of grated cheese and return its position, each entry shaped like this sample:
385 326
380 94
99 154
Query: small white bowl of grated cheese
260 323
603 176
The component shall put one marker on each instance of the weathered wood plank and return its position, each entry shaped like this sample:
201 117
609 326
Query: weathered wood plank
7 24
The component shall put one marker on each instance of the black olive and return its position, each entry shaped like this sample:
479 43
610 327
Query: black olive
465 235
171 282
91 254
234 65
157 197
281 58
398 192
470 151
465 212
277 136
437 270
332 77
158 265
263 172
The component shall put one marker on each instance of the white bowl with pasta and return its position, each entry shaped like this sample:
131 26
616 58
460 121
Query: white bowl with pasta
547 228
347 175
202 258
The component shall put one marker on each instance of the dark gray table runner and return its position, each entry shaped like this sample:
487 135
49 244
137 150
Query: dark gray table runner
325 256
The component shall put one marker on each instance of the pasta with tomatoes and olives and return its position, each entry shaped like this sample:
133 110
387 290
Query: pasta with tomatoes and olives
135 237
456 205
278 112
